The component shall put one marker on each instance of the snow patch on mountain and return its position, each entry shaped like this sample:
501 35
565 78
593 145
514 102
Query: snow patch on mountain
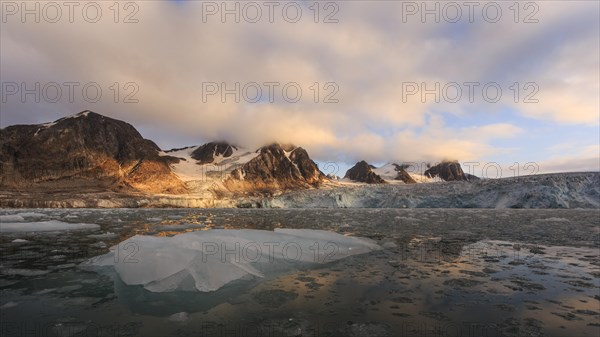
389 173
199 176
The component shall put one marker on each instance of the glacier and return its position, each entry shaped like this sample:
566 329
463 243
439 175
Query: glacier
208 260
564 190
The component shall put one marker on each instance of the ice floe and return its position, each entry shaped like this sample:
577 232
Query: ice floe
44 226
208 260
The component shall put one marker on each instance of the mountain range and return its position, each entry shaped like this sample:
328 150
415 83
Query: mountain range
90 160
92 149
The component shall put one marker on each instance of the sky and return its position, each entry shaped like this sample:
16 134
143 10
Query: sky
347 80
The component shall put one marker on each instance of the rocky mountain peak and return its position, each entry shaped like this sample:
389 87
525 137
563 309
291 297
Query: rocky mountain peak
277 147
276 167
206 153
449 171
363 172
403 175
82 146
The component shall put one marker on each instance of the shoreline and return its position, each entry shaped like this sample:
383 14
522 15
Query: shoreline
548 191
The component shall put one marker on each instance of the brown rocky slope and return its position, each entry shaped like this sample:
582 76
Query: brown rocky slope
277 167
84 147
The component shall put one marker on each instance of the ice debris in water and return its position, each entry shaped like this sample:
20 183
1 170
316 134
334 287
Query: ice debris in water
107 235
11 217
44 226
179 317
207 260
8 305
20 217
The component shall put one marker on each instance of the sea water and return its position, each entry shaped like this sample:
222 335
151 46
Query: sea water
437 272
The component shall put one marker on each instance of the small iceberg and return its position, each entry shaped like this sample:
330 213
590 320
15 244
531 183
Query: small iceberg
44 226
208 260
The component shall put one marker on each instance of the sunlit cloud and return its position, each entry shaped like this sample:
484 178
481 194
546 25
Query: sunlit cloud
370 55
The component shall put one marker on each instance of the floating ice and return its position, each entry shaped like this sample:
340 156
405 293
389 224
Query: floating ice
179 317
32 215
45 291
11 217
107 235
208 260
20 217
44 226
8 305
23 272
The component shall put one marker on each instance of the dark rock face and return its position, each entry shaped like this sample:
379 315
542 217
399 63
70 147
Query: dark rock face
84 146
471 177
206 153
449 171
308 169
403 175
363 172
277 166
177 149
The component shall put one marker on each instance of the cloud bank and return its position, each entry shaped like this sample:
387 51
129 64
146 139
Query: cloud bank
367 80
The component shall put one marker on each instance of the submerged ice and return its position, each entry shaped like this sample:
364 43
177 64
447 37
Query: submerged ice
208 260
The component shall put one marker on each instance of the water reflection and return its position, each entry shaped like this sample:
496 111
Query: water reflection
439 274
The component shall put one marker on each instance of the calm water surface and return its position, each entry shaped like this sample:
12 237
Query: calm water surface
441 273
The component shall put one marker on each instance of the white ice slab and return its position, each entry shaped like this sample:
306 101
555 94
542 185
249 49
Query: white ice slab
208 260
11 218
44 226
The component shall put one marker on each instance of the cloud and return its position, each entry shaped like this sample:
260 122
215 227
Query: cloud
369 56
572 158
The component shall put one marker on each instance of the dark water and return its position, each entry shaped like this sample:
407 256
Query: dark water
441 273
